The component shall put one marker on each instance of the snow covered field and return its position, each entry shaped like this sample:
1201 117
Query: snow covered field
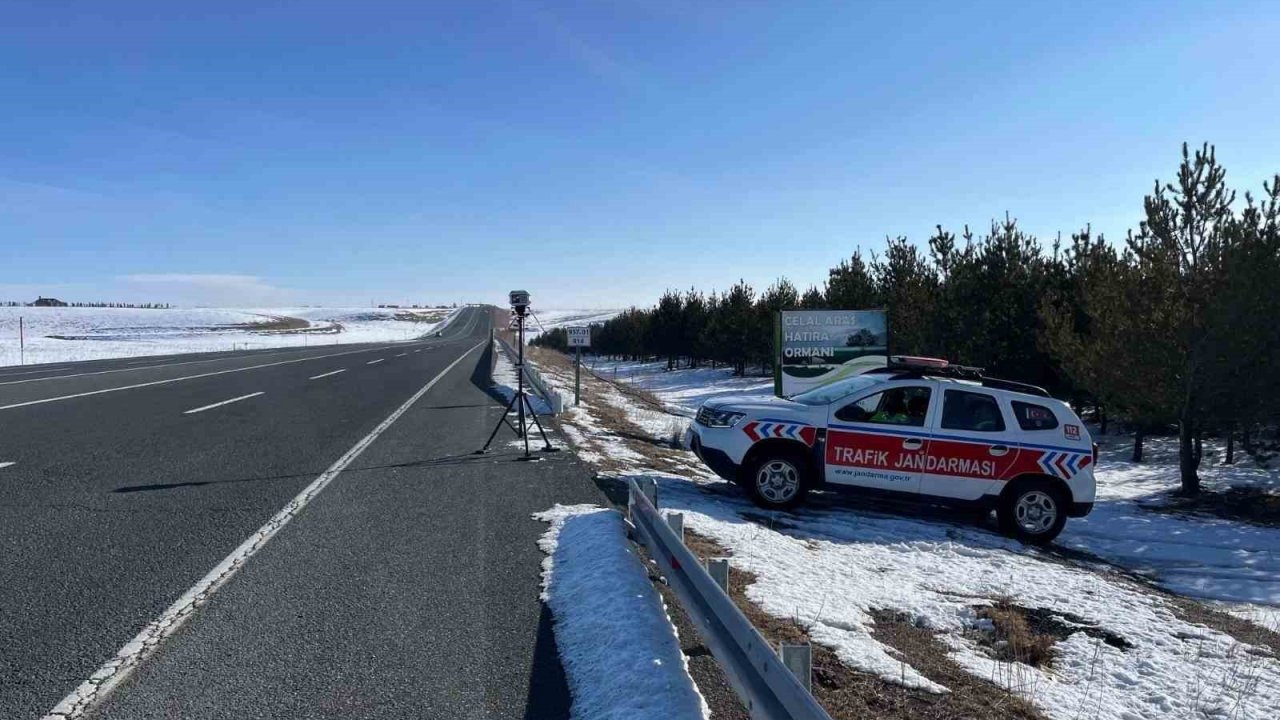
70 334
1134 653
549 319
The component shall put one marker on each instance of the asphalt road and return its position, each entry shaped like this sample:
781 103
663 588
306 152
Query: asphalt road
406 587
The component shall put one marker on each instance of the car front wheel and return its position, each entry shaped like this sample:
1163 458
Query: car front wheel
1032 511
777 482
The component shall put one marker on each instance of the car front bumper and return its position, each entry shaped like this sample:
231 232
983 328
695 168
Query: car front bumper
1080 509
717 460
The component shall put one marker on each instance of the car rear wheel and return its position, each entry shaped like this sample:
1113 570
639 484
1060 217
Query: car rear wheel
1033 511
777 481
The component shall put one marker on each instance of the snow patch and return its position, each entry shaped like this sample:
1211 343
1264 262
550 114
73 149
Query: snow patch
620 652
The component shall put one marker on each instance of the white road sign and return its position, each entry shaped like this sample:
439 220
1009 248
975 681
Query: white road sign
579 336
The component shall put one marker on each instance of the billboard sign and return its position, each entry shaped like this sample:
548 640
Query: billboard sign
579 336
816 347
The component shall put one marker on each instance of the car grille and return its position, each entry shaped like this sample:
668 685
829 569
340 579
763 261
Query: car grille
704 416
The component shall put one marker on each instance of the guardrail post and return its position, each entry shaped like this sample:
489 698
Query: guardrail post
676 521
799 660
718 569
649 487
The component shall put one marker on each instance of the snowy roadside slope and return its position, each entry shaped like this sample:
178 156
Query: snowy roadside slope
682 390
829 569
1204 557
619 650
104 333
1197 555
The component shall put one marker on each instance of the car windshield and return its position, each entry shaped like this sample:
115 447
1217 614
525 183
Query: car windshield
827 394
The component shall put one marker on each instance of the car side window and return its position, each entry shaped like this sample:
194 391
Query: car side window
897 406
1033 417
962 410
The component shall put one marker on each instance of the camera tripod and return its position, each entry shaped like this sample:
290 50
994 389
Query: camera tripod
520 401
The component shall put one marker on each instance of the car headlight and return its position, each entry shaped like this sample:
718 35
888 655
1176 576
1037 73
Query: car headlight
723 418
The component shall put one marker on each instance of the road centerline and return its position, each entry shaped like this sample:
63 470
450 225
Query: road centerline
328 374
116 669
220 404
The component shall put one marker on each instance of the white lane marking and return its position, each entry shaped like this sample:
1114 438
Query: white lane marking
116 669
220 404
4 465
418 350
402 354
145 367
328 374
375 362
184 377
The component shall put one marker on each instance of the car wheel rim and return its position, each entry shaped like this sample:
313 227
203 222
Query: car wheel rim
1036 512
778 481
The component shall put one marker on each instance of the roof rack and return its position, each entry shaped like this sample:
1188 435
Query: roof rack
908 368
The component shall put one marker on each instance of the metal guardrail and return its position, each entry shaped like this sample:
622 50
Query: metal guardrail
768 689
553 398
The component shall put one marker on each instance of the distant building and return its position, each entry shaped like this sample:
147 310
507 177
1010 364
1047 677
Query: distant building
48 302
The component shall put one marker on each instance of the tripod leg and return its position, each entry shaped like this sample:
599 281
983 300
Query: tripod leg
501 421
549 447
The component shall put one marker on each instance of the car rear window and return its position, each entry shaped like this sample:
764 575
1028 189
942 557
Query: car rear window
1034 417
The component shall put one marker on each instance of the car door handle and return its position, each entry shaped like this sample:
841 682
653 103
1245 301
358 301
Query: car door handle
998 450
912 444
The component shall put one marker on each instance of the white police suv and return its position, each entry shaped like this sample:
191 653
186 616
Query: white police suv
917 428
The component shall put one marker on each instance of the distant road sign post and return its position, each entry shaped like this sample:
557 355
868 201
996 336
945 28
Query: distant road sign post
579 337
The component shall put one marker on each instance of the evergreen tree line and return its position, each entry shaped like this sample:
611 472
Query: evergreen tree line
1176 326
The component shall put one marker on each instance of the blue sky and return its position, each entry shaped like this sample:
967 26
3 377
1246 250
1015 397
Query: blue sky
593 153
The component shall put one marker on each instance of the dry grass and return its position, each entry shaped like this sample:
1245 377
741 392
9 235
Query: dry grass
1198 613
1013 638
848 695
1243 504
658 454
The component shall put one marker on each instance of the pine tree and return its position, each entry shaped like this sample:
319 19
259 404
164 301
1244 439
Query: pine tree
694 338
850 285
780 296
737 310
665 327
909 287
813 299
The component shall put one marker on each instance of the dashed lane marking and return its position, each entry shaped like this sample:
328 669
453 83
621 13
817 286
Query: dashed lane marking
144 367
328 374
375 362
4 465
184 377
117 669
220 404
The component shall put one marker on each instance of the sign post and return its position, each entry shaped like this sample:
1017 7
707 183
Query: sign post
22 343
579 337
